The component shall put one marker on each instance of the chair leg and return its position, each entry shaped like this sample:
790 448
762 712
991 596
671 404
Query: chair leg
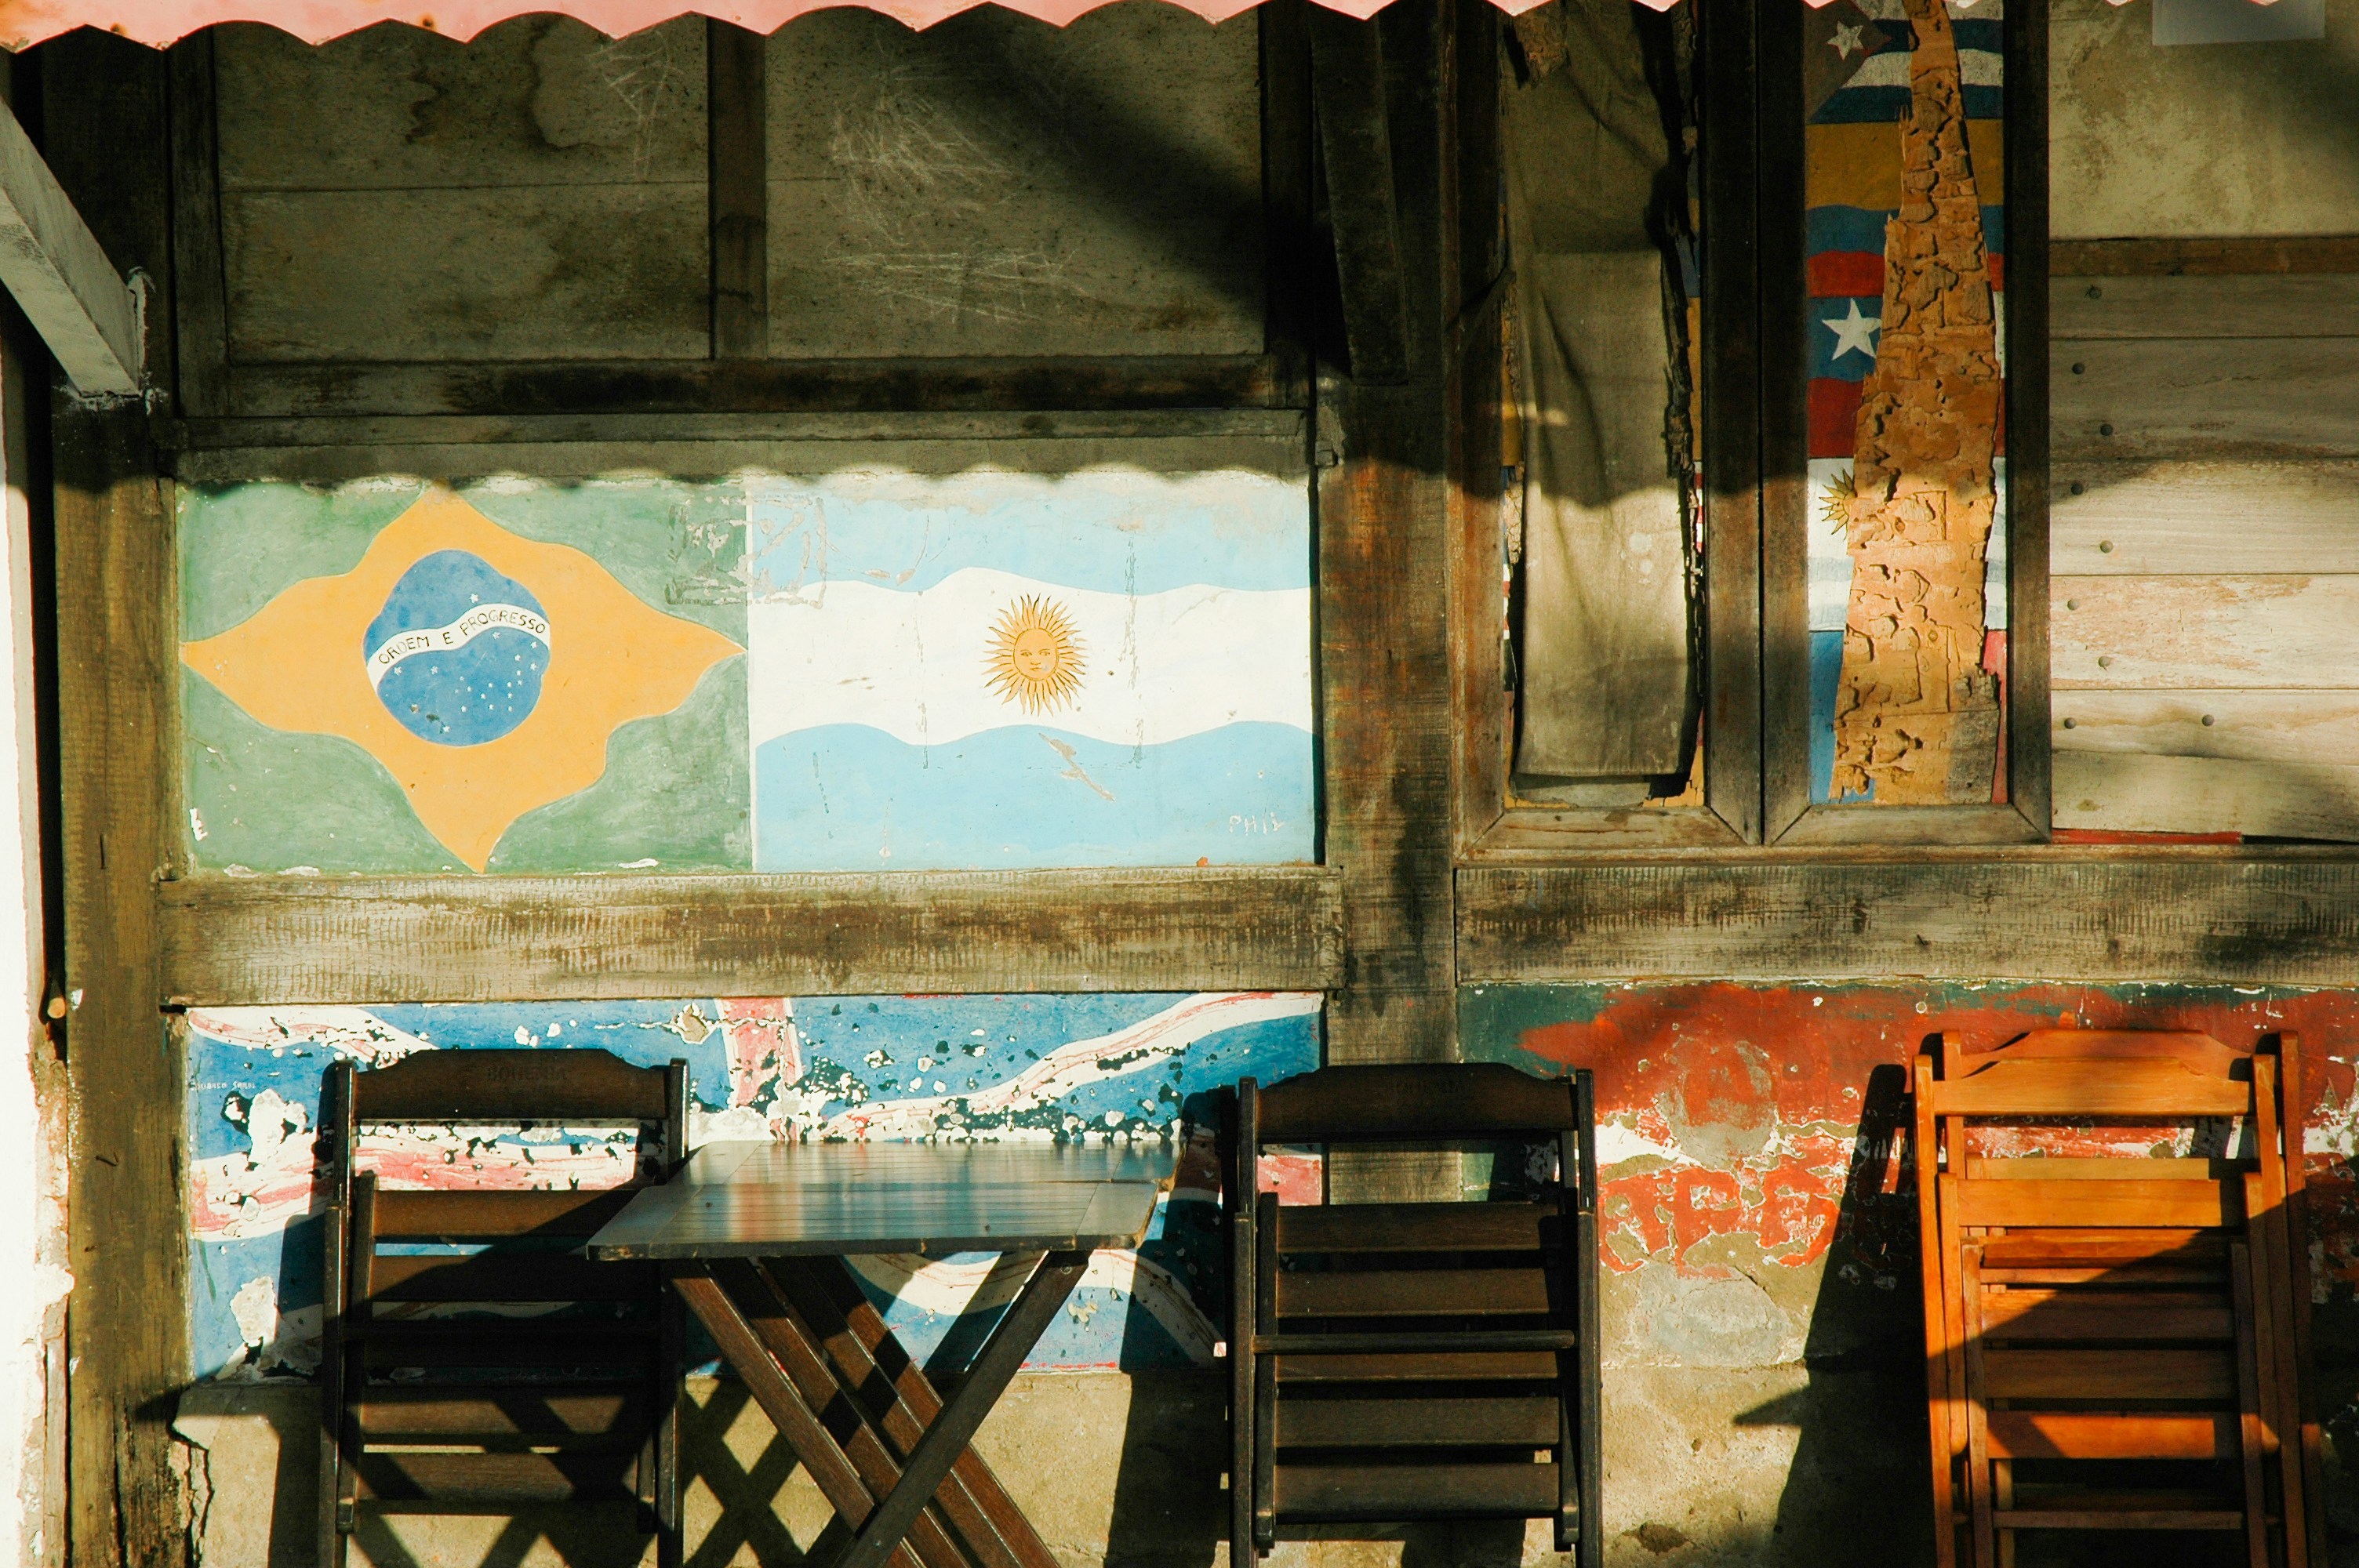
2248 1406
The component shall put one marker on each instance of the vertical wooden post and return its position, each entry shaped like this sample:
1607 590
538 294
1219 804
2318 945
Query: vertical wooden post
737 109
1383 614
105 119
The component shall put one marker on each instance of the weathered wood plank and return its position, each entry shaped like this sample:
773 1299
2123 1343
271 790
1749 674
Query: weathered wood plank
127 1323
952 451
1788 504
992 186
2299 304
701 385
2128 792
232 941
738 97
2030 416
1347 67
2191 915
2289 254
2194 397
551 272
1826 825
199 299
2252 726
59 275
2282 631
2206 518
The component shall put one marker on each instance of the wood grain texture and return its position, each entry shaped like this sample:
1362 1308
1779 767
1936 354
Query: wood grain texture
2282 631
2205 518
1384 618
1347 68
2030 418
2281 727
303 939
1787 510
199 299
749 386
2229 256
127 1328
2159 398
2301 305
2190 917
2128 793
737 97
104 136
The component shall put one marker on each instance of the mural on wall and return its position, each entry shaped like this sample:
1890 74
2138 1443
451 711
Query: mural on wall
1752 1185
870 671
1049 1067
1905 193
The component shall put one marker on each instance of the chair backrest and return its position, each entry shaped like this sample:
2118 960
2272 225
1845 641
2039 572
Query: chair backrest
1399 1362
476 1358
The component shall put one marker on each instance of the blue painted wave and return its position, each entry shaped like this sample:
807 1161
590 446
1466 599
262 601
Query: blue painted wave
847 798
1112 533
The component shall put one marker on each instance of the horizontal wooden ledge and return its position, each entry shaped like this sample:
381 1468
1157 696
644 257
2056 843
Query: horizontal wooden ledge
2225 256
2284 918
232 941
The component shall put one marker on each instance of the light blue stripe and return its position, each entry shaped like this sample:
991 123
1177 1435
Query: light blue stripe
1114 533
847 798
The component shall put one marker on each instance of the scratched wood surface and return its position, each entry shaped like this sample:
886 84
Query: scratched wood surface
2199 517
2277 305
2239 725
538 193
105 137
297 939
2281 632
2129 792
2286 916
2160 399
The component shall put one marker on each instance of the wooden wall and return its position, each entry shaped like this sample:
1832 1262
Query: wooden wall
2205 597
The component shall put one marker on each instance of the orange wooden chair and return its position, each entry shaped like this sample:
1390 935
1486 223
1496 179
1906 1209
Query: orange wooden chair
2115 1340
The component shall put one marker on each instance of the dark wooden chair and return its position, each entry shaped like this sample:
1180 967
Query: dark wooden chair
1393 1363
437 1394
2112 1338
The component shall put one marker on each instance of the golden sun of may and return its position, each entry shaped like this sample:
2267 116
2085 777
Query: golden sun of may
1034 655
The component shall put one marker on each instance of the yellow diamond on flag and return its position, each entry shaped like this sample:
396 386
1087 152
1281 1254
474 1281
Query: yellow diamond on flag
486 671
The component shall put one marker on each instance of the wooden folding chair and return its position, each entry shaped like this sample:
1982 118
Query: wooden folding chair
1393 1363
438 1393
2112 1341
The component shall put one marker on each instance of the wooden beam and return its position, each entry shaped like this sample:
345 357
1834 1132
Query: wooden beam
2029 773
1347 68
2193 258
235 941
738 109
59 275
2192 915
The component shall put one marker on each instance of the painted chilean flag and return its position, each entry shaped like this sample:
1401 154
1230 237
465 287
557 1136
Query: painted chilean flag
993 670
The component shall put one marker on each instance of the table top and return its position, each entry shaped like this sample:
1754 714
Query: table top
770 1199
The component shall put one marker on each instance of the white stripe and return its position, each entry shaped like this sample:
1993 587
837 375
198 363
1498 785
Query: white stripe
1154 667
480 619
1976 68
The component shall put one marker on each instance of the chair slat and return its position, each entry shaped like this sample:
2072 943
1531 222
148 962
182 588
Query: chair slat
1387 1493
1414 1228
462 1217
495 1478
477 1087
2074 1169
2183 1205
507 1277
2081 1315
1461 1100
1423 1367
2145 1374
539 1412
1523 1420
2062 1086
2105 1249
2077 1435
1417 1292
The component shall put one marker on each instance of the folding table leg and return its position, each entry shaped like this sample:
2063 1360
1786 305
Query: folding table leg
830 1468
993 1367
891 1392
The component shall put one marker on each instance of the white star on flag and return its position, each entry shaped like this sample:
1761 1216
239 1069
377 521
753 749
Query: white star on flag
1846 39
1854 332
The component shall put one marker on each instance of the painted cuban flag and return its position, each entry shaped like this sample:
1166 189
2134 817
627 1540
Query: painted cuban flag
990 670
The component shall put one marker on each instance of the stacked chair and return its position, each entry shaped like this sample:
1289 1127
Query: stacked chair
1395 1363
2116 1340
475 1360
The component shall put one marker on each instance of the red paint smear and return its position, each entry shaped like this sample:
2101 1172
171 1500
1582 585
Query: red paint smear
1761 1091
1836 275
2107 836
1994 663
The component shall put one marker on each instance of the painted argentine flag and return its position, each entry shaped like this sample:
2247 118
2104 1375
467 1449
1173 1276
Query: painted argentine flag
1004 670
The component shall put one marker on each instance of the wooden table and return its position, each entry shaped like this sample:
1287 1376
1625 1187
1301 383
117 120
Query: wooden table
753 1236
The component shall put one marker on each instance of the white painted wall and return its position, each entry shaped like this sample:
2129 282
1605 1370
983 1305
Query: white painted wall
32 1146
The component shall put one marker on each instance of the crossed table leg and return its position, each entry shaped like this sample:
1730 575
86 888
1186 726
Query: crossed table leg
862 1417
